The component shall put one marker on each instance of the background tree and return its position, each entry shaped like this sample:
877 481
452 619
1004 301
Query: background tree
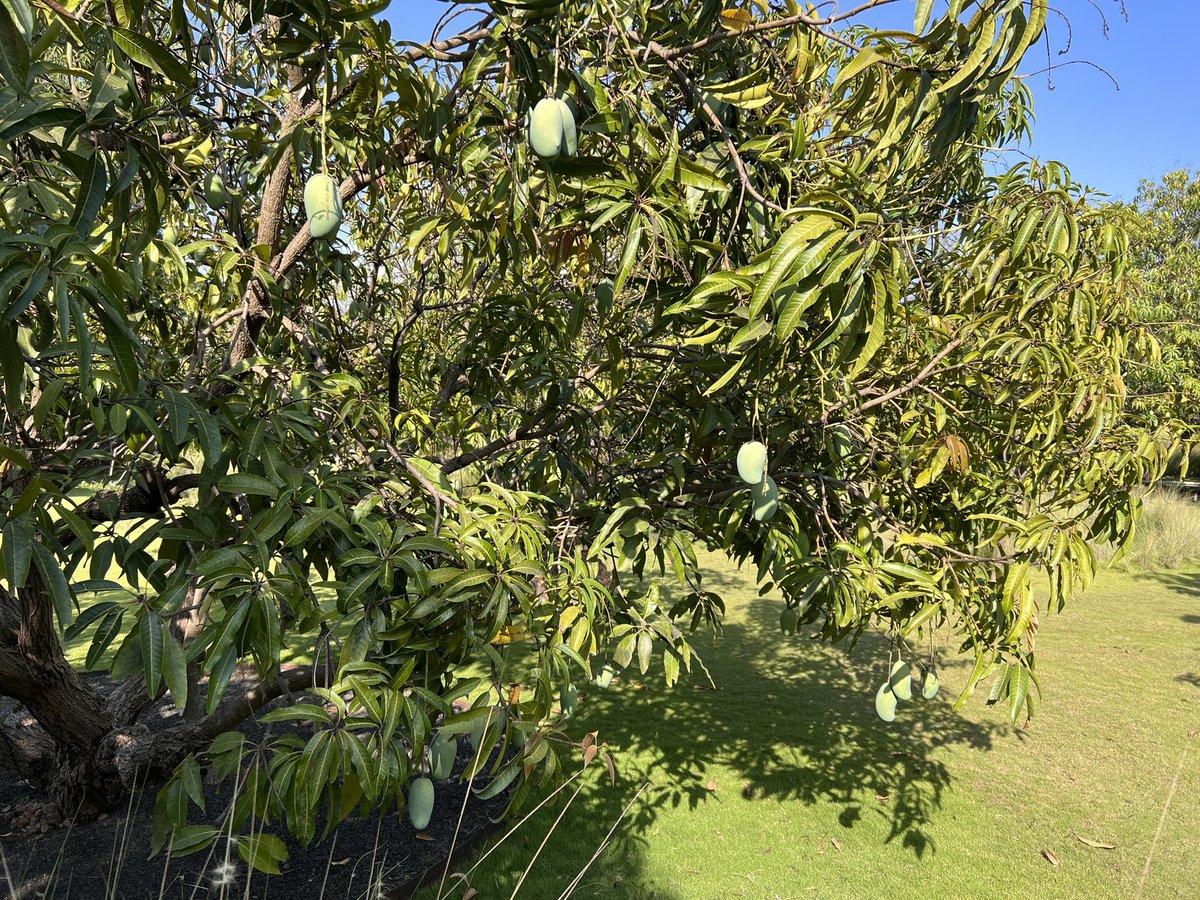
1164 227
407 453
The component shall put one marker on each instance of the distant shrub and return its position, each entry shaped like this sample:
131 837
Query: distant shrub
1168 533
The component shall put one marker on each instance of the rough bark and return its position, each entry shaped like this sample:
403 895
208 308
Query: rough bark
34 671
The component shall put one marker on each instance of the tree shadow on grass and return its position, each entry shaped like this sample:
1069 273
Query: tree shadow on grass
1186 583
797 722
794 720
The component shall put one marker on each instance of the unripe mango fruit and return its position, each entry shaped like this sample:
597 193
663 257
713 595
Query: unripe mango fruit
570 139
215 193
789 619
931 685
765 495
900 680
420 803
752 462
568 699
551 130
441 756
605 676
322 206
885 703
843 441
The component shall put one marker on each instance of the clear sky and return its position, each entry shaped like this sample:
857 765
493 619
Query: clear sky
1110 136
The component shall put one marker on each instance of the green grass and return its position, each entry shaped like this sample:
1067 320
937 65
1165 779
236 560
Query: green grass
937 804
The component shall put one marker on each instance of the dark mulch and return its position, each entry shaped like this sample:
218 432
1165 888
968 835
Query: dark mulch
77 861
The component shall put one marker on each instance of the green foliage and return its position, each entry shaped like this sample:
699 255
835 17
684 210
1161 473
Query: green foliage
484 421
1164 247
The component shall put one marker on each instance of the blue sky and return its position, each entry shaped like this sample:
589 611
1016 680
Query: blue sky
1110 138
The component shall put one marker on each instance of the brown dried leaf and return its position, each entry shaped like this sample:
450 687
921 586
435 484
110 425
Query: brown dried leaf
422 836
1051 858
883 798
471 892
836 845
341 862
1099 845
711 786
589 754
612 766
960 456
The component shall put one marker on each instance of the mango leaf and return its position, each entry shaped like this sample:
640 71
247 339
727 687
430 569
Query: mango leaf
151 54
262 851
14 52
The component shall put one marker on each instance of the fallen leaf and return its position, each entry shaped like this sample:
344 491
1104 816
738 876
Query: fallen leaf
1099 845
341 862
471 892
1195 732
422 836
748 791
883 798
836 845
1051 858
711 786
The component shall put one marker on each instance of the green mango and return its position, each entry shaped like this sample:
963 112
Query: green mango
478 732
930 686
215 193
900 680
789 619
570 140
752 462
765 496
885 703
605 677
604 297
568 698
843 441
322 206
441 756
420 803
547 129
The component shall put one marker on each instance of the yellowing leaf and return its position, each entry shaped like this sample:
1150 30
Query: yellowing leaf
735 21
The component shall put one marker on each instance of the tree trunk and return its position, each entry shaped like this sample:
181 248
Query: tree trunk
34 671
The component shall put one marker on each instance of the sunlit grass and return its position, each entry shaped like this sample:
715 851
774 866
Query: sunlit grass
783 783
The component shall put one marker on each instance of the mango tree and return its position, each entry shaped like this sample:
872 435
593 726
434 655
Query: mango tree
457 439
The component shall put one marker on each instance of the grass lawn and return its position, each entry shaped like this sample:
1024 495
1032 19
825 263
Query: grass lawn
782 782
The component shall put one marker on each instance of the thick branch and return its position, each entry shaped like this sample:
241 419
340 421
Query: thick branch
148 497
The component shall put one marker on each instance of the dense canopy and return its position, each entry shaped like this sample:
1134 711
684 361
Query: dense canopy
475 436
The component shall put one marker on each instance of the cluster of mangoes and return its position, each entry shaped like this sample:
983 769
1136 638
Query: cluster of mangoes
899 687
443 750
551 131
752 469
322 202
